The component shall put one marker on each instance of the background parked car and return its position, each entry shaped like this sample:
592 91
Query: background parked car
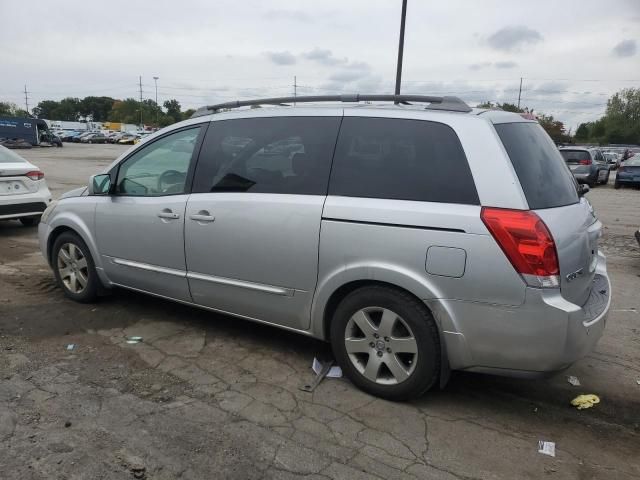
588 165
128 139
613 159
69 136
629 173
24 194
97 137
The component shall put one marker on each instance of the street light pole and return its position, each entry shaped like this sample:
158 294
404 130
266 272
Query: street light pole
401 47
155 79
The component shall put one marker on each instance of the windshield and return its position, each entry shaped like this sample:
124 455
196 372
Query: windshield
574 156
7 156
632 162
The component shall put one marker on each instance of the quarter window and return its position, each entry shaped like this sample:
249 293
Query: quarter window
287 155
401 159
159 168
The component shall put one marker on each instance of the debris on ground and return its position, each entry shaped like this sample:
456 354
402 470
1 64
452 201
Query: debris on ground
71 346
573 381
334 372
133 340
547 448
585 401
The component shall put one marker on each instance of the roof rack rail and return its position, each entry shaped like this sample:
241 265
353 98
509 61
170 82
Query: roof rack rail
436 103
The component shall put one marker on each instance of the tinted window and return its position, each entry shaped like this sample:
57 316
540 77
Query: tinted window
545 179
401 159
573 157
290 155
159 168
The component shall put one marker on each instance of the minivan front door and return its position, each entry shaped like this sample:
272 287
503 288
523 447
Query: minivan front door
253 220
140 227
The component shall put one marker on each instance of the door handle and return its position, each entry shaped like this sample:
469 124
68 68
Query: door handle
202 216
168 214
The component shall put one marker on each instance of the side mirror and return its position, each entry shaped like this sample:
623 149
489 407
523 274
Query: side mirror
582 189
99 184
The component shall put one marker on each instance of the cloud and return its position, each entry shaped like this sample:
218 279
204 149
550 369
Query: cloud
513 38
626 48
480 66
507 64
324 57
282 58
296 15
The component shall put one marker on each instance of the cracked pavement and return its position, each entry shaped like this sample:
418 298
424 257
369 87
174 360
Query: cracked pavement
210 396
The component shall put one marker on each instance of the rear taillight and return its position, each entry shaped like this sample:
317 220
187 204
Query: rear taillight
585 162
527 243
35 175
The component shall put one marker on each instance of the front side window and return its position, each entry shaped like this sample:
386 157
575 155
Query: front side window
159 168
286 155
403 160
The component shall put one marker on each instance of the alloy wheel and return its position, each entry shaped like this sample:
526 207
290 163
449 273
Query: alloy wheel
73 268
381 346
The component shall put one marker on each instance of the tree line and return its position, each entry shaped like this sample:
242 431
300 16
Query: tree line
619 124
104 109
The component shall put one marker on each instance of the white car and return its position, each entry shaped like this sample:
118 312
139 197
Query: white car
24 194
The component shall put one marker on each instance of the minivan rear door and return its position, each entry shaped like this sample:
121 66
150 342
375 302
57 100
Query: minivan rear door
551 192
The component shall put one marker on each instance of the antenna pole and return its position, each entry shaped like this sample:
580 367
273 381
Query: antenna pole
400 48
140 83
519 93
26 99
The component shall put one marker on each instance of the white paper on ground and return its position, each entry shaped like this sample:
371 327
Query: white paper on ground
547 448
71 346
334 372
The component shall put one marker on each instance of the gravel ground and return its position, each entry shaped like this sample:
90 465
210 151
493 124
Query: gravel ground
209 396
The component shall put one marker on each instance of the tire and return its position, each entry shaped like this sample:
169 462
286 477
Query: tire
89 142
30 221
72 285
616 185
400 321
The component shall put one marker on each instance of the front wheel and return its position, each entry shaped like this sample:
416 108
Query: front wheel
74 269
387 343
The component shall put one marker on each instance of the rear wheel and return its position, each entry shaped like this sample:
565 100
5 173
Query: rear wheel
386 342
74 268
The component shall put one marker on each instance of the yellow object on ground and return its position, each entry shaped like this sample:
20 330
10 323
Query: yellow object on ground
585 401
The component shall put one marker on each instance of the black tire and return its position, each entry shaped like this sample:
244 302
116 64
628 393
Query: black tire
423 328
616 185
90 291
30 221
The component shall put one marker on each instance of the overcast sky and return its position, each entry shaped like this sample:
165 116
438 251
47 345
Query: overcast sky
572 54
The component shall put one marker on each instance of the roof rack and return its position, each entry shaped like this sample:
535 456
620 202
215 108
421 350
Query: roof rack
453 104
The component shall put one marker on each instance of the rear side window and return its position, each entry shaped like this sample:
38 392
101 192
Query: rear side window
574 157
545 179
401 159
287 155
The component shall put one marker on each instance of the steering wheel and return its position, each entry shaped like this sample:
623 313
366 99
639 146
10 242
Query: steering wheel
170 179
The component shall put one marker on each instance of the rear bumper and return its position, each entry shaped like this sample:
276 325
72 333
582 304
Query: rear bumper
627 180
27 205
544 334
584 177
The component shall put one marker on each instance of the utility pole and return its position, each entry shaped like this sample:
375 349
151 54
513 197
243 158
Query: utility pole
401 48
26 99
155 79
295 89
141 124
519 93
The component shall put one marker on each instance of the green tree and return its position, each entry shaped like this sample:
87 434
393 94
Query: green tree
98 108
582 133
554 128
187 113
8 109
173 110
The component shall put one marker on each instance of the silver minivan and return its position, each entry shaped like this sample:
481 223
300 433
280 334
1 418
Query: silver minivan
415 234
